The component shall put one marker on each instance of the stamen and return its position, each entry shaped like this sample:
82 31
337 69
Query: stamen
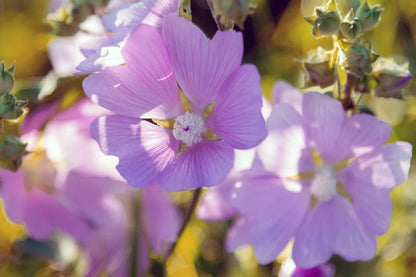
324 183
189 128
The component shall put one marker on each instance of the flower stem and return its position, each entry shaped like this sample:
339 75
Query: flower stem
349 85
135 234
186 220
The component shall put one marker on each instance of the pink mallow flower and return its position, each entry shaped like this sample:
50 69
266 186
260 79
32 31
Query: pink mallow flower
325 180
66 184
99 41
184 102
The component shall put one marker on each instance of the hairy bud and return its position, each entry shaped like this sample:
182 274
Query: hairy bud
351 27
369 16
392 78
12 151
318 68
6 78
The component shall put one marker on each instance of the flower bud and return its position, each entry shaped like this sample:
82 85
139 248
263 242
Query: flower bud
327 23
351 27
325 20
392 78
10 107
12 151
357 59
368 16
6 78
318 68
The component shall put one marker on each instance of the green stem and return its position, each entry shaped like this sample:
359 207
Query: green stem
188 217
135 234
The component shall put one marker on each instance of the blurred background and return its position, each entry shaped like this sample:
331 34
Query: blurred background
276 36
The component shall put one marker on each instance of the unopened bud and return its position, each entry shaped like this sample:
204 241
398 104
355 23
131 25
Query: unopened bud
357 59
6 78
392 78
369 16
318 68
325 22
10 107
351 27
12 151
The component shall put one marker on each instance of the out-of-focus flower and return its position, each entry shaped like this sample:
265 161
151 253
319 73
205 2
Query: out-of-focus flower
67 184
98 43
179 138
392 78
326 180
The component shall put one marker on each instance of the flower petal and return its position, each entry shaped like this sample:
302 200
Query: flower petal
239 234
372 205
91 196
359 134
324 117
160 218
44 215
13 193
145 87
237 117
143 149
201 65
283 92
276 213
215 203
285 151
102 58
204 164
385 167
332 228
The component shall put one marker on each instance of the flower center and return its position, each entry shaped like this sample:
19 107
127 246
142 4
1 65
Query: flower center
189 128
324 183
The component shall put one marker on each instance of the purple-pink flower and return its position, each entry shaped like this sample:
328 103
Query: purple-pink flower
66 184
184 103
99 41
326 181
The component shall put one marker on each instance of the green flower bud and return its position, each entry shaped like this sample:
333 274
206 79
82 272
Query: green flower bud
369 16
357 59
392 78
318 68
327 23
351 27
12 151
10 107
6 78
